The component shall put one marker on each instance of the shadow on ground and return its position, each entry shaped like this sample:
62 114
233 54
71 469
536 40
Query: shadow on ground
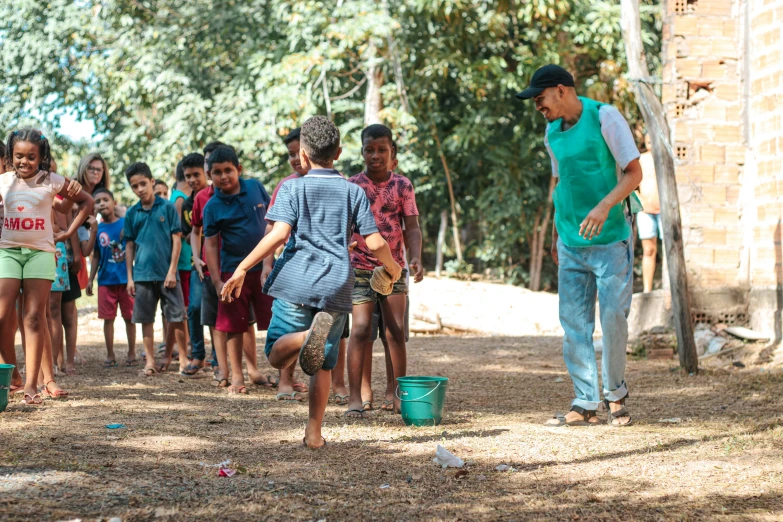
718 453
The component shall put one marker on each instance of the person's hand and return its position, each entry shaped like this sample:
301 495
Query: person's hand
131 287
417 271
61 237
352 247
75 265
554 254
92 222
88 290
199 265
232 286
265 273
171 280
74 187
395 271
594 222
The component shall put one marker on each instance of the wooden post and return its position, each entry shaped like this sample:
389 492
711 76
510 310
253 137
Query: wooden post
657 127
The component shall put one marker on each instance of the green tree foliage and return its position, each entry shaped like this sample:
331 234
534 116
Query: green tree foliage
162 77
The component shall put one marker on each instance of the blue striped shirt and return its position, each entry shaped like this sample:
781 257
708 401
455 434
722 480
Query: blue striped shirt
323 209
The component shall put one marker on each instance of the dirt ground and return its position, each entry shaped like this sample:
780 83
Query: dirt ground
705 447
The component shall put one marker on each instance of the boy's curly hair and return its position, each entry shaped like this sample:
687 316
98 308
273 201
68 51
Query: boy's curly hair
35 137
320 139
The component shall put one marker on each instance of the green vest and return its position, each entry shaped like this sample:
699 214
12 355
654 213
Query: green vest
588 172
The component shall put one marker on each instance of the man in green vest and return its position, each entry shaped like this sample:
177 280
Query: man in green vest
595 162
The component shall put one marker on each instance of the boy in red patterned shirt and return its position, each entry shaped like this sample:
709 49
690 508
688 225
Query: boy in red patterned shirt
393 203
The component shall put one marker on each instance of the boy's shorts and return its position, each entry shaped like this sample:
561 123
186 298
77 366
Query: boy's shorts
234 317
209 305
146 302
184 279
649 225
61 281
363 292
291 318
109 296
26 263
74 291
378 330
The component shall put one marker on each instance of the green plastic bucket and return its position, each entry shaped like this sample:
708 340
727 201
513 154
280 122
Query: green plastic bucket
6 370
421 399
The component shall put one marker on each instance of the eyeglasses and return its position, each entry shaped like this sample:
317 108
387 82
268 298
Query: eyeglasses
94 169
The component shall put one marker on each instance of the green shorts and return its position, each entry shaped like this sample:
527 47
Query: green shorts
26 263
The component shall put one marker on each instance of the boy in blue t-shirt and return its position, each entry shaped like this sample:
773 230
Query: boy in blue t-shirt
312 280
152 235
108 261
233 224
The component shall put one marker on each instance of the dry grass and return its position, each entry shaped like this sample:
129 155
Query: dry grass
722 461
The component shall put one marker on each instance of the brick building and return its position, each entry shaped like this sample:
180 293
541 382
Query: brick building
723 92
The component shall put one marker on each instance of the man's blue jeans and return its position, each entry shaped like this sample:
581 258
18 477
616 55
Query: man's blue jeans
194 317
605 270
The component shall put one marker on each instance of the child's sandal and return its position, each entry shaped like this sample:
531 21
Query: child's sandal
56 394
33 400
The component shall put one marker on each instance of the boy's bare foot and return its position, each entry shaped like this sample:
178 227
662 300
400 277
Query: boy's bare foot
259 379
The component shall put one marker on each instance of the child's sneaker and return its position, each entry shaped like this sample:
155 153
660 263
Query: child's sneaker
311 356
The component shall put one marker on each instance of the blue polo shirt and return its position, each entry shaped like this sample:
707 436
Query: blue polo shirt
151 230
323 209
240 221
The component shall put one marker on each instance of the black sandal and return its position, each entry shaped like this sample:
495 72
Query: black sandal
622 412
561 420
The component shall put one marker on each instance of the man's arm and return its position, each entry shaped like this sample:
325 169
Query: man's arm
412 238
594 222
130 252
176 248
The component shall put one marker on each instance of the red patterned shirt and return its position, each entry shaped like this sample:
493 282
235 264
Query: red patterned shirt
390 202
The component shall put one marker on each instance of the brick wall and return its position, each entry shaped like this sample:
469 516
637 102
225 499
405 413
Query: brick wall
730 178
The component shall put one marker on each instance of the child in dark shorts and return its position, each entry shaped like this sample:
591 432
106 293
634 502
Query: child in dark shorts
312 280
152 235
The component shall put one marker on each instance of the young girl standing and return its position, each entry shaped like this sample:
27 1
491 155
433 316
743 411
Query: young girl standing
27 246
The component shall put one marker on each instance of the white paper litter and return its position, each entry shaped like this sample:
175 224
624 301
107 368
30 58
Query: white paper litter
746 333
446 459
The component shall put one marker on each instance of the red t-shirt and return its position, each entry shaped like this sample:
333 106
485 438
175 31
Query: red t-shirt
197 217
390 202
295 175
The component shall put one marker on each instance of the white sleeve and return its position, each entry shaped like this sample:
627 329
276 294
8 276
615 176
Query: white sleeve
617 135
555 173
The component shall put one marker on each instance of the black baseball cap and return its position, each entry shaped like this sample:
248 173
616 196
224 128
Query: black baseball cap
547 76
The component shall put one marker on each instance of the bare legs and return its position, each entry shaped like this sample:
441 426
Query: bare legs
70 321
650 251
56 327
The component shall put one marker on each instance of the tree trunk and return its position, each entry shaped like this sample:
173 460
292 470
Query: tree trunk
534 251
657 127
373 103
444 222
539 239
454 225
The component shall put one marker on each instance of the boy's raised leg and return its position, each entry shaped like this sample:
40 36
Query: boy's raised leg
285 351
319 396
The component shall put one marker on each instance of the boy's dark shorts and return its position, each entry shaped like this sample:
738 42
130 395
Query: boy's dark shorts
209 305
148 293
74 292
378 330
234 317
291 318
363 292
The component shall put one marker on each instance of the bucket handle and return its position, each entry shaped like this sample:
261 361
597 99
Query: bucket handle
397 389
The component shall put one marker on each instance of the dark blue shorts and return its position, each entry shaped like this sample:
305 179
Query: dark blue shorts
291 318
